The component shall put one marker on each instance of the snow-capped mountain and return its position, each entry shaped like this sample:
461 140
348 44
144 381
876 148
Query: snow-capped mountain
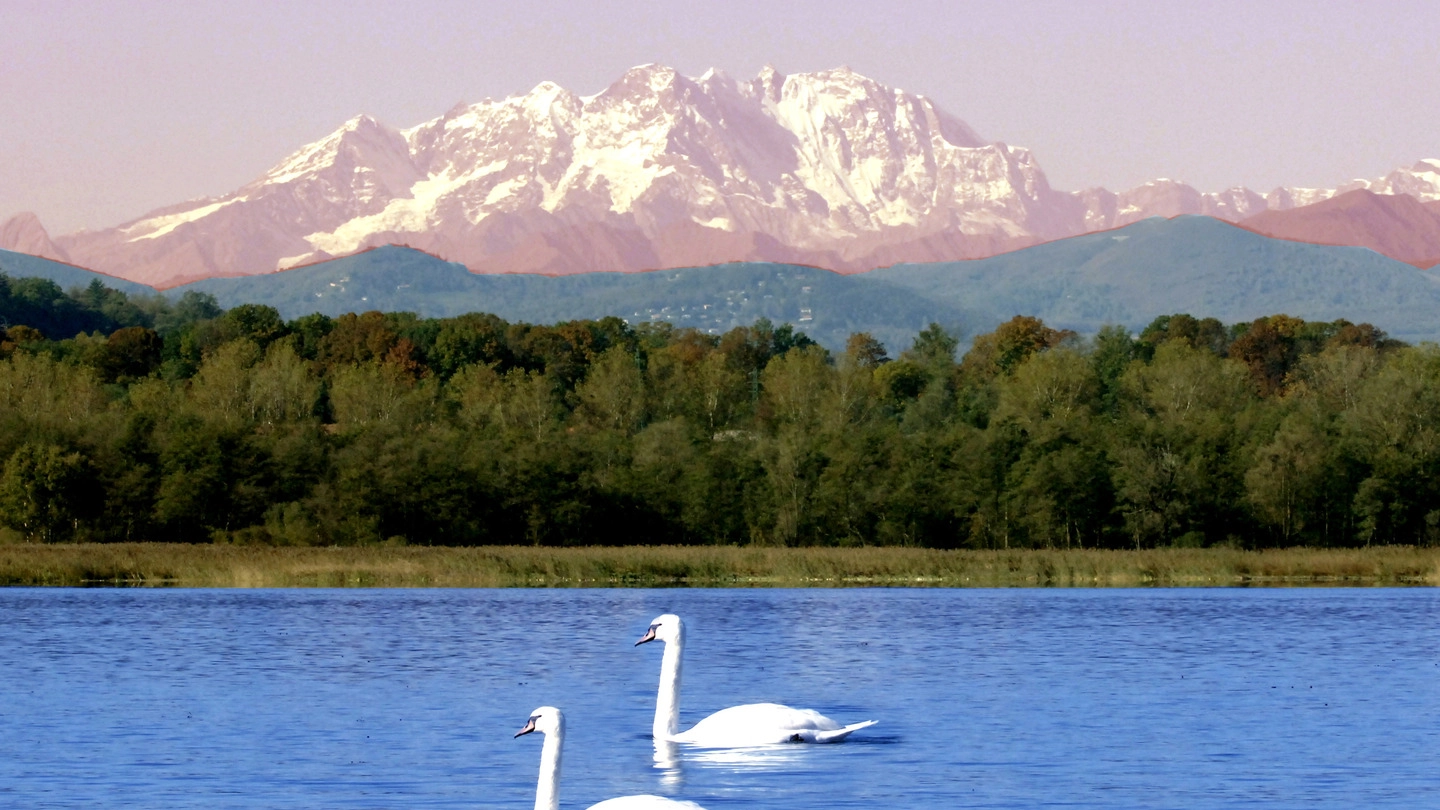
1168 198
657 170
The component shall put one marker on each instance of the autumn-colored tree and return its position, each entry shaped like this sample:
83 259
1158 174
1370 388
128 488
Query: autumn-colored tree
130 354
1268 348
357 339
864 350
999 352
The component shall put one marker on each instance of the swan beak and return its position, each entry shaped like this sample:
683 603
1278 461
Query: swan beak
529 727
649 635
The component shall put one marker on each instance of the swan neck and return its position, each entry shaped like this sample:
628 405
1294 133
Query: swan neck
547 793
667 705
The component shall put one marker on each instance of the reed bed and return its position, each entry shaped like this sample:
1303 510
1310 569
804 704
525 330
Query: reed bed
221 566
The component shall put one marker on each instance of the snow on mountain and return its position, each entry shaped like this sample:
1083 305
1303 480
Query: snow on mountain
1169 198
1166 198
657 170
1421 181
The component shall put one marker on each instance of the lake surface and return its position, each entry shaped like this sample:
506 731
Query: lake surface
1310 698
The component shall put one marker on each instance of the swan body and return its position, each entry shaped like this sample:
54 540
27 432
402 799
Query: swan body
644 803
549 721
737 726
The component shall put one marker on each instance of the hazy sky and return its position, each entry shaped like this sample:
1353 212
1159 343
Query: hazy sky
110 109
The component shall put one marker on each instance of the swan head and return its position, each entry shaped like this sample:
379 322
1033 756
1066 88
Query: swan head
665 627
546 720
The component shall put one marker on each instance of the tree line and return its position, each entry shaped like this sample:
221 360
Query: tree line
177 421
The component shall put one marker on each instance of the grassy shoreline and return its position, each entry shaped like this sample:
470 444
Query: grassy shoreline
209 566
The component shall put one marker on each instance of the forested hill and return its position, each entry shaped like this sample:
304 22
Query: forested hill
243 427
23 265
826 305
1127 277
1185 264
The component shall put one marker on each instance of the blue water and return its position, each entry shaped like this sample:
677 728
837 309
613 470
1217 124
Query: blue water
987 698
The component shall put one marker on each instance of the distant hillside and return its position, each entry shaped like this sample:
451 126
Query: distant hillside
61 301
1188 264
1127 276
826 306
23 265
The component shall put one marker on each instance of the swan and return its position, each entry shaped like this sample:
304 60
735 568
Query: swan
737 726
549 721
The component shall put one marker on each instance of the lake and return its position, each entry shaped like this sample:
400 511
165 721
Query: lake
1303 698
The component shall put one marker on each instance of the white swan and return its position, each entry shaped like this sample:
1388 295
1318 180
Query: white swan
737 726
549 721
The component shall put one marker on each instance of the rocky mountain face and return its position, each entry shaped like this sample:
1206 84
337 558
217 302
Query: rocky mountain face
658 170
1396 225
23 233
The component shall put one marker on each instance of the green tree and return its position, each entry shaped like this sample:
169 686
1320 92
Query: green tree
934 348
367 394
1393 430
1197 333
46 492
221 390
1288 476
190 308
255 322
1057 489
1174 466
282 388
612 395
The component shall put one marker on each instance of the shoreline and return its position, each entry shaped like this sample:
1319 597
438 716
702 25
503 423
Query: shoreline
226 566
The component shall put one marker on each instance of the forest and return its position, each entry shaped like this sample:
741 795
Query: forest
146 419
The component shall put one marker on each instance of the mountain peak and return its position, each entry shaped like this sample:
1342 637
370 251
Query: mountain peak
770 83
359 122
1397 225
23 233
658 170
656 74
355 141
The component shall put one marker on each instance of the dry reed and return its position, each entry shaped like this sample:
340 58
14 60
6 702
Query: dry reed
207 566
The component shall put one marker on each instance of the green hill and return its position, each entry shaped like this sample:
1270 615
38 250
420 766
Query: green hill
23 265
1128 276
825 305
1188 264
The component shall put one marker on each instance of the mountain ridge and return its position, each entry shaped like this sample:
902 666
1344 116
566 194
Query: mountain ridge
1395 225
1127 276
657 170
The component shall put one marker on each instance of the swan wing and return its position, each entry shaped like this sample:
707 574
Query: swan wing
841 733
644 803
765 724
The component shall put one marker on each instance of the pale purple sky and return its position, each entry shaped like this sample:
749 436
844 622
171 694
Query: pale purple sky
111 109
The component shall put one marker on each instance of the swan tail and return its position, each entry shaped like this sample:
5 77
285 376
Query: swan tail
841 733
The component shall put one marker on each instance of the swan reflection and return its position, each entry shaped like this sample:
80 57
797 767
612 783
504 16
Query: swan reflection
667 761
550 722
761 757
